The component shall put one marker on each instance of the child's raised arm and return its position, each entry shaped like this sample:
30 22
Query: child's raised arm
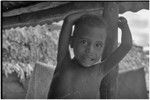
122 50
63 44
65 34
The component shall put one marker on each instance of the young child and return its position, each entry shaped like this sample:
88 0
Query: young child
80 77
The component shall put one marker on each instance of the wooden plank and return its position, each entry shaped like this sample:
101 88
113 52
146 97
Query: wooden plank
132 85
40 81
48 15
108 87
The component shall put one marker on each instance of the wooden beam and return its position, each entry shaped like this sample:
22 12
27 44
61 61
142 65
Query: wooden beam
108 87
33 8
10 5
48 15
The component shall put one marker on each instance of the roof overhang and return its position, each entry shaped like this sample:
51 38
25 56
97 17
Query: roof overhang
33 13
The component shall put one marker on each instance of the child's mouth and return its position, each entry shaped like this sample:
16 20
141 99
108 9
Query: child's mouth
89 58
88 61
92 59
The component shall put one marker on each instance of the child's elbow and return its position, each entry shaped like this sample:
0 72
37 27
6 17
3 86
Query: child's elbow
127 46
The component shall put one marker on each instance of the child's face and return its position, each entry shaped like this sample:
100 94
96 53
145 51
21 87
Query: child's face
88 45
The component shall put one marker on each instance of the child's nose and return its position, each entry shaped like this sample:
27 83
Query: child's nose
89 49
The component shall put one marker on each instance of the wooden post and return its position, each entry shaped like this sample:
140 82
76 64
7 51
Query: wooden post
108 87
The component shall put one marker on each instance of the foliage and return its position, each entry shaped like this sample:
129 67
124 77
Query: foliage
136 58
23 47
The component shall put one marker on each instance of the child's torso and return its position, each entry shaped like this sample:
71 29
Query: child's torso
75 81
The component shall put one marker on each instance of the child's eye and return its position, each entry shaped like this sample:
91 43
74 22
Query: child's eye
99 45
84 42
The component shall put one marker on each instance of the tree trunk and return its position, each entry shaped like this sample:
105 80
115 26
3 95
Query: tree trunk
108 87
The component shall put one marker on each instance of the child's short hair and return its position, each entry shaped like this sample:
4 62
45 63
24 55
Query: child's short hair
90 20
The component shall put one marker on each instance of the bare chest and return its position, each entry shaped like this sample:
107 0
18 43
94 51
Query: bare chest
80 82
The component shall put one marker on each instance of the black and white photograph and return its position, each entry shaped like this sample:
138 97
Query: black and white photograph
75 49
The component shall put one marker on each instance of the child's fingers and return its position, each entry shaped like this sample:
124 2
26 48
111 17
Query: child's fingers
122 22
73 17
122 19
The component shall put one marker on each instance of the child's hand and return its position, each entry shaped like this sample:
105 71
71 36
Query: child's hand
75 16
122 23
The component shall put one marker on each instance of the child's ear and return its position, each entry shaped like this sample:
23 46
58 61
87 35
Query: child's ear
71 41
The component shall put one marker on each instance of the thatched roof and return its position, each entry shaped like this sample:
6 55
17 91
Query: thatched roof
31 13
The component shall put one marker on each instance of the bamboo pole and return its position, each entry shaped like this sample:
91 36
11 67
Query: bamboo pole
108 87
